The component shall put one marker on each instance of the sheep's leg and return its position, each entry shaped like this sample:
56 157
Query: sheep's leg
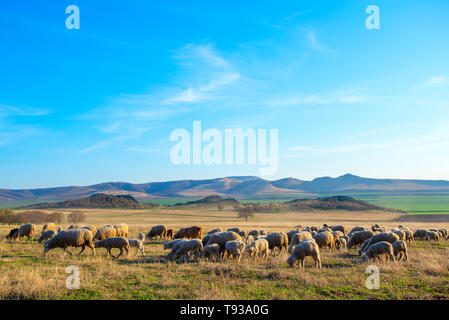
65 250
82 250
93 249
121 252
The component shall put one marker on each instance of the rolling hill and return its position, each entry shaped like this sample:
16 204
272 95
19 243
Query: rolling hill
237 187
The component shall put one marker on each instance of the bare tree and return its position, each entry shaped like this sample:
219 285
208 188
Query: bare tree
245 212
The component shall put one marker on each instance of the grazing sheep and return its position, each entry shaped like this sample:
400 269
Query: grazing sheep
234 249
11 233
211 252
359 237
169 234
444 233
186 249
222 237
73 226
291 233
376 250
122 230
26 230
432 235
49 226
207 237
258 247
214 230
71 238
297 238
384 236
339 228
409 236
254 233
105 233
341 243
400 249
157 231
242 234
356 229
277 240
325 239
262 232
305 249
419 234
337 234
136 243
400 233
120 243
194 232
45 235
236 230
325 229
141 236
173 244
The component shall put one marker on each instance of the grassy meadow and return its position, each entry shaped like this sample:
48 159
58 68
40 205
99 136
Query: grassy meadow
25 273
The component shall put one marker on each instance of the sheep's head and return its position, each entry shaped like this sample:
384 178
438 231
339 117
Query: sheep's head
291 261
365 257
98 244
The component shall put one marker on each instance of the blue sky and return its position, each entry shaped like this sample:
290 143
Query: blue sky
98 104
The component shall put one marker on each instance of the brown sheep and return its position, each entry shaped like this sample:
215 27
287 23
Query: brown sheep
194 232
169 234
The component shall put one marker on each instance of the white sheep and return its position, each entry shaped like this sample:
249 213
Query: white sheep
377 250
211 252
400 249
432 235
258 247
234 249
120 243
306 248
70 238
185 249
141 236
138 244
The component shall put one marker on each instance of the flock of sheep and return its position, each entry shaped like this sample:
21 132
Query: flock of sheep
188 243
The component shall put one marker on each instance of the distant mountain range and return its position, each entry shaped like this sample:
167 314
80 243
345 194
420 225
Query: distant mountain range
237 187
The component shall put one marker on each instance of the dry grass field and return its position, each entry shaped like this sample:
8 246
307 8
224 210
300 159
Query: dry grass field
25 273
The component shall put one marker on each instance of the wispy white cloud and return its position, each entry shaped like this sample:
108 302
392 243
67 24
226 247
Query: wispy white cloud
334 97
314 43
437 81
